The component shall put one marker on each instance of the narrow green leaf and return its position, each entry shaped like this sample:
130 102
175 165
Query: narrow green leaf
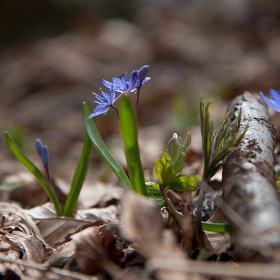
101 148
7 187
34 170
206 133
129 133
78 179
215 227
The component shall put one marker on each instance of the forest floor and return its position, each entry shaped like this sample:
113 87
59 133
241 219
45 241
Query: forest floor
114 233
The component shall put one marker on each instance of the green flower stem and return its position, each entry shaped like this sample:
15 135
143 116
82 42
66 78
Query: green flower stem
35 171
129 133
78 179
101 148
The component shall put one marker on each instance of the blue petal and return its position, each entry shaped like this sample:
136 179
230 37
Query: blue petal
134 81
275 96
118 97
146 80
123 77
111 96
107 83
118 85
102 100
142 72
271 103
100 109
104 95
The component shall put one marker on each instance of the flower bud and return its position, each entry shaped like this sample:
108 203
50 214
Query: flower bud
45 155
39 146
142 72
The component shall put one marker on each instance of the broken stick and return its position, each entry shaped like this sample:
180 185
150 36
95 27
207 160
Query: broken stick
249 183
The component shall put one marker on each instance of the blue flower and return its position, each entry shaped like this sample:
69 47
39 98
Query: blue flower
274 102
122 83
104 102
133 83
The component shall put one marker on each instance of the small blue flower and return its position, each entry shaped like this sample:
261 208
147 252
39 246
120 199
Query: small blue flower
274 102
133 83
104 102
43 151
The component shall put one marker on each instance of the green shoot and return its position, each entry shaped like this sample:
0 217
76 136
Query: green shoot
216 145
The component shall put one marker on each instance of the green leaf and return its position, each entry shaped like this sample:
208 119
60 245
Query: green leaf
164 170
101 148
277 178
176 150
79 177
215 227
34 170
185 183
277 175
154 193
129 133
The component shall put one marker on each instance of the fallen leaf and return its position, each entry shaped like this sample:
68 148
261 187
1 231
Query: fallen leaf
56 230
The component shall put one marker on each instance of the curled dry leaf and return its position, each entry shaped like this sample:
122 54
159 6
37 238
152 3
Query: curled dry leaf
20 239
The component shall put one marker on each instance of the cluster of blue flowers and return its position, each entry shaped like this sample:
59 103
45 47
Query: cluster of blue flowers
122 84
132 84
274 102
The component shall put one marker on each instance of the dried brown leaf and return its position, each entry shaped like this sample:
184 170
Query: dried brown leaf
91 254
30 247
142 223
62 254
56 230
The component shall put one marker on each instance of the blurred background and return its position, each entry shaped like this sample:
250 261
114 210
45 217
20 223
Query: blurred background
54 54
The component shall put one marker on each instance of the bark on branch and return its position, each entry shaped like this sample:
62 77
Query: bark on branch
249 183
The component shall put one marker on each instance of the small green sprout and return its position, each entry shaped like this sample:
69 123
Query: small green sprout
216 145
